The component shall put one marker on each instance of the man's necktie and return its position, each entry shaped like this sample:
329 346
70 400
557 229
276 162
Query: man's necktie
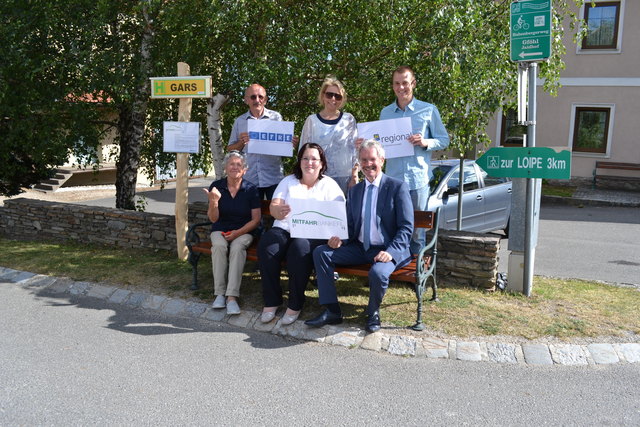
367 219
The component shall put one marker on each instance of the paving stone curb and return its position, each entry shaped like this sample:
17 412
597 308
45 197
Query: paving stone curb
534 354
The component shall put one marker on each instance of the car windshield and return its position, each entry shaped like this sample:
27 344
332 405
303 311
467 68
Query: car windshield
438 172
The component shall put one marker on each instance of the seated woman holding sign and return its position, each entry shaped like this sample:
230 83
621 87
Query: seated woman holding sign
306 183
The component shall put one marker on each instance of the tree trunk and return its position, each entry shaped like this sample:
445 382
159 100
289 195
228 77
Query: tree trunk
131 130
214 123
131 125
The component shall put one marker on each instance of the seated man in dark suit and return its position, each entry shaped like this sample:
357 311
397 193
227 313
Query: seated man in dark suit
380 223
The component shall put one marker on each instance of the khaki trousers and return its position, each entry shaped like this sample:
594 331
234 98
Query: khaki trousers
227 261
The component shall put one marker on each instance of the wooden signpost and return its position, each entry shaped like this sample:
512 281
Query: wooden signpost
185 89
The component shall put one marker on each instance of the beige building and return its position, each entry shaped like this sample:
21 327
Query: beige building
597 111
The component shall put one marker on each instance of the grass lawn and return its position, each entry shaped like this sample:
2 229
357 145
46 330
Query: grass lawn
558 308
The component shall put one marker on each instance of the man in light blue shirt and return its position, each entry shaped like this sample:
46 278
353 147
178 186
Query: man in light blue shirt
428 134
265 171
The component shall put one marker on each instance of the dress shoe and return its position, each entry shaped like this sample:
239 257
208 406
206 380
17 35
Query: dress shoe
325 318
373 322
288 319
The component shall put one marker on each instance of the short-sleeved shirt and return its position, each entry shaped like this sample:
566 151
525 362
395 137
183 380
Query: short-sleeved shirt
264 170
235 212
425 119
291 188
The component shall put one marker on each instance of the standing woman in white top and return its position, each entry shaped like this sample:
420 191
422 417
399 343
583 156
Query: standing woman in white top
335 131
276 245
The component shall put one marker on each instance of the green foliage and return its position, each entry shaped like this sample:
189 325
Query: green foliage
458 48
40 118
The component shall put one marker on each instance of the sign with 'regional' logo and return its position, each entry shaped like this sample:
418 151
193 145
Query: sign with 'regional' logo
313 219
270 137
392 134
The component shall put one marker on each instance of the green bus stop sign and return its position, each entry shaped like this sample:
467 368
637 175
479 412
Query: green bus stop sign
526 162
530 30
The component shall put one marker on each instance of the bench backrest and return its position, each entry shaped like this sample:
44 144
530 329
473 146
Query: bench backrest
421 219
617 165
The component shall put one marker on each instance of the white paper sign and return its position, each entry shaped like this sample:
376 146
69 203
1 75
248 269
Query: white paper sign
313 219
270 137
181 137
392 134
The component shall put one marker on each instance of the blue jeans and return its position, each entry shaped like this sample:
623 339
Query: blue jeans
419 199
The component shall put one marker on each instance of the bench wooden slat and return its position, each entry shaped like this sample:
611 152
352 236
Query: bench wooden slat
618 165
403 274
621 166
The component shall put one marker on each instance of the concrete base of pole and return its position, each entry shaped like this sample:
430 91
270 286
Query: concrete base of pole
515 272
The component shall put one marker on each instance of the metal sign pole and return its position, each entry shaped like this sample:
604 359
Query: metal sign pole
530 194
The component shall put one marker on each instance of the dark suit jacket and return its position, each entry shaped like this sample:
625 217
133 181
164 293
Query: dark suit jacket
394 215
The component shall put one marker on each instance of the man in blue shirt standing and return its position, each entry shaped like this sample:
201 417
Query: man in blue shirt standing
428 134
265 171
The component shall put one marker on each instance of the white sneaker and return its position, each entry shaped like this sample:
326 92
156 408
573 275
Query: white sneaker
219 302
233 307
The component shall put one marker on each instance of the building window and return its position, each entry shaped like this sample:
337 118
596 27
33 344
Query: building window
591 129
602 25
512 133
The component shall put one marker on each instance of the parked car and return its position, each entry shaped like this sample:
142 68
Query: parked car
486 200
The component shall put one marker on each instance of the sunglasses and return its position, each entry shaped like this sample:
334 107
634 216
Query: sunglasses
254 97
330 95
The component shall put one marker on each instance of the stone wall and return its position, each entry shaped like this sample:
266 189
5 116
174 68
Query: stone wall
464 258
29 219
469 259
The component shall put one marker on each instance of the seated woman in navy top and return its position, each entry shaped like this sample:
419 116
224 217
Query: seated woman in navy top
234 209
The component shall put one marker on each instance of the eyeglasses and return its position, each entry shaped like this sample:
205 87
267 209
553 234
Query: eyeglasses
254 97
310 160
330 95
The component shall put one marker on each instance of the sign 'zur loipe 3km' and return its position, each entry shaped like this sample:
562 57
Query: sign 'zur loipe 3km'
527 162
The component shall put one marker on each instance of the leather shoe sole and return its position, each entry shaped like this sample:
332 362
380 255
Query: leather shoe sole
325 318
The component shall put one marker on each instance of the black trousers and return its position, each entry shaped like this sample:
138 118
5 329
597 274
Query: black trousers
267 192
275 246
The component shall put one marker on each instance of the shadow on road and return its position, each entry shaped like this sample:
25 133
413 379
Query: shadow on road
146 322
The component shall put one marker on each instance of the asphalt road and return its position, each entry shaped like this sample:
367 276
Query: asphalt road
81 361
594 243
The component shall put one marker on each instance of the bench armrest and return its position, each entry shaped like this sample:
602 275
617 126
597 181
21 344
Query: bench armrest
429 252
192 236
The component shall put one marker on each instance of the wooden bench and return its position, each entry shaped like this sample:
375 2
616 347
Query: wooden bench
417 272
614 166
